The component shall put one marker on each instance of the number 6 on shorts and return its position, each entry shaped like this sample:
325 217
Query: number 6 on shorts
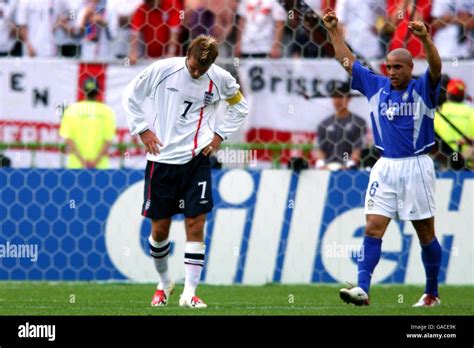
373 188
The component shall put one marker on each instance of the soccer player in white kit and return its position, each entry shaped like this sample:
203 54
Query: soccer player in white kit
402 182
185 92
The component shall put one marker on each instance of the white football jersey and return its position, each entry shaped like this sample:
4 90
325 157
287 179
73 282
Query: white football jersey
260 17
183 107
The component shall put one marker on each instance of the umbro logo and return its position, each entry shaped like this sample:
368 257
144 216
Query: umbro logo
172 89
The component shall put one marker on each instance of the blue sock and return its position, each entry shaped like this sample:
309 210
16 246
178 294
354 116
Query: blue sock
372 248
431 257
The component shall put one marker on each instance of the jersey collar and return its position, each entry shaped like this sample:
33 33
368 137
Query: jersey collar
390 87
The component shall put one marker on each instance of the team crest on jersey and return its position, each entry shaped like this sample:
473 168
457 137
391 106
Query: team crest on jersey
405 96
208 98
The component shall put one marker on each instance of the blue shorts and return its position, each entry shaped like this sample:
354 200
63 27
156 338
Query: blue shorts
178 189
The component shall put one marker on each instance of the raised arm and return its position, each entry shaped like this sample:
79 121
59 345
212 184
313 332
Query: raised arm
432 56
343 53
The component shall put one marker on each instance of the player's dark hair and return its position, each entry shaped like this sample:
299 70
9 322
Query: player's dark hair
455 98
92 95
204 49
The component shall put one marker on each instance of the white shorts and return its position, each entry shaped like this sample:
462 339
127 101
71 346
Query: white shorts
402 188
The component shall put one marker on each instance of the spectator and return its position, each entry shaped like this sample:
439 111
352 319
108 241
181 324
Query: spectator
199 18
400 12
310 39
226 12
340 136
98 25
210 17
461 115
7 26
358 20
303 46
158 23
260 29
453 23
124 10
36 20
66 38
88 127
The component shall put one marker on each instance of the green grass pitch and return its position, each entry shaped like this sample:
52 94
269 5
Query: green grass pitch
82 298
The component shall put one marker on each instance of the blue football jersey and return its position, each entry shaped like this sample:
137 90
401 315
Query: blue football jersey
402 121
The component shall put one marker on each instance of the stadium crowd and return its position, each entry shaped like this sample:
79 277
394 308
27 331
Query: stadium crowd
115 29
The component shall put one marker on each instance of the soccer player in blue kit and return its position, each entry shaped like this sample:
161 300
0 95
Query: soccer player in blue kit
402 182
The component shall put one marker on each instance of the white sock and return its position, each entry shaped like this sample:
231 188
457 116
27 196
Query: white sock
193 265
160 252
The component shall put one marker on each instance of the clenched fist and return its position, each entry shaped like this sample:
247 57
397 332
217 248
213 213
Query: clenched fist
330 20
418 28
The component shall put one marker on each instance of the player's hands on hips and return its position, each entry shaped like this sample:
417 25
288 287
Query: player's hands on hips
330 20
418 28
213 146
151 142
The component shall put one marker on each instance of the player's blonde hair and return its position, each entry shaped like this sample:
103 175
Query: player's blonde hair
205 49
